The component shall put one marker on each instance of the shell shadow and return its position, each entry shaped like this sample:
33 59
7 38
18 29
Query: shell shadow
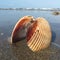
53 36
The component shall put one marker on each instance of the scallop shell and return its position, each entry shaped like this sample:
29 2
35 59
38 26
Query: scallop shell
19 31
39 35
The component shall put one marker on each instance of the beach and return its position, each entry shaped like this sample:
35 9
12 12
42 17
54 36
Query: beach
20 50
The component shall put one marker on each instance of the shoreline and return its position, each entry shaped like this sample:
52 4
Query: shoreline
32 9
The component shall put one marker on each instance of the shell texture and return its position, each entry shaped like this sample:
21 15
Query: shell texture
36 31
39 35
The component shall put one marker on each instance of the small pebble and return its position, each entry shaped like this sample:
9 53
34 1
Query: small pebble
2 34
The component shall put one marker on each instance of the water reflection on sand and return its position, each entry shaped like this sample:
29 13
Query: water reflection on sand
20 51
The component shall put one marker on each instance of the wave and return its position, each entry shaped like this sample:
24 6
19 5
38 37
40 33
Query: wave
40 9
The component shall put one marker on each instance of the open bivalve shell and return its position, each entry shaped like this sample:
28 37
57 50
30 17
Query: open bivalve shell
36 31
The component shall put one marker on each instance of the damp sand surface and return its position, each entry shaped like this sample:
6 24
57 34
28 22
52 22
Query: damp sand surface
20 51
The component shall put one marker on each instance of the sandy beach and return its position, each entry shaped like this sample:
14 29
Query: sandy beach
20 50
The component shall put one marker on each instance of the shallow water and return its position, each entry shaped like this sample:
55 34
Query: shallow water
20 51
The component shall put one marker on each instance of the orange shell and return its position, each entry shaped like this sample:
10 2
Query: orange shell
39 35
19 27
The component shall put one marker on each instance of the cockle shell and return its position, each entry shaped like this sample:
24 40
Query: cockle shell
36 31
19 31
39 35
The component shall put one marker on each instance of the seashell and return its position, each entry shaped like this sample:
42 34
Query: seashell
39 35
36 31
20 29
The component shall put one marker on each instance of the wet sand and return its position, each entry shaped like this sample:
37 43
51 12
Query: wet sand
20 51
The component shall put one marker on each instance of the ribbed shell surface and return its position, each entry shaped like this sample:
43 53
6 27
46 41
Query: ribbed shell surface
40 38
